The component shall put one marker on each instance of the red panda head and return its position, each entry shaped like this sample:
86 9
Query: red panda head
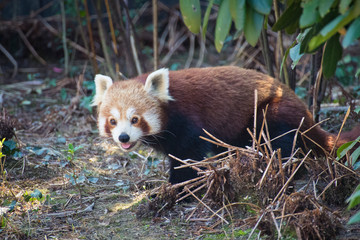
129 110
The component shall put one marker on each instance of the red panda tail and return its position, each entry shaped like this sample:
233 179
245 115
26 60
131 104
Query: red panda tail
350 135
328 140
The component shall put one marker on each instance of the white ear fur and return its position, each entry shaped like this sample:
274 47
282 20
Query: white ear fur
157 84
102 83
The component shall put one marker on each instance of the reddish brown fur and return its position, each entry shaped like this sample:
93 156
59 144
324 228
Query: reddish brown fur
222 99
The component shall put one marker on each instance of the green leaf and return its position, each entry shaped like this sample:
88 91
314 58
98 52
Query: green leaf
93 179
334 26
314 30
238 13
254 23
261 6
223 24
354 199
71 147
344 6
343 149
289 16
36 194
292 28
357 110
310 14
77 148
206 18
352 33
191 12
355 218
10 144
332 55
324 6
285 57
355 156
295 55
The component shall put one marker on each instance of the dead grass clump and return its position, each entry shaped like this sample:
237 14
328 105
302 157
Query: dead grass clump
309 218
341 189
244 173
299 202
165 199
316 224
7 126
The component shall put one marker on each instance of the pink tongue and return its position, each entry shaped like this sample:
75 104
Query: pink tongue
126 145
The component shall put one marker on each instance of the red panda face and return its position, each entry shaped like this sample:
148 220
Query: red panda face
128 110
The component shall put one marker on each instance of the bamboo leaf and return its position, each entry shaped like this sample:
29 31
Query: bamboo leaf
261 6
344 6
223 23
355 218
354 199
238 13
289 16
352 33
310 14
324 6
334 26
191 12
254 23
295 55
332 55
355 156
206 18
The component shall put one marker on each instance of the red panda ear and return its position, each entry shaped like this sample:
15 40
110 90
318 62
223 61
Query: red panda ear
102 83
157 84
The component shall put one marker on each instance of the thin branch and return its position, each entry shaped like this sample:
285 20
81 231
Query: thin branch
92 46
103 38
277 15
191 51
11 59
66 53
155 34
30 47
187 189
113 38
71 43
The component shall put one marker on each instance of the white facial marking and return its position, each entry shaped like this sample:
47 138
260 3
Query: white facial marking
124 126
115 113
130 112
152 118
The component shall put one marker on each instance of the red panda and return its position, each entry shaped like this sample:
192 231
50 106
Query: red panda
168 110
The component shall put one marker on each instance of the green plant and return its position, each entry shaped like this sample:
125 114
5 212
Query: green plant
331 25
353 201
76 179
4 219
2 161
353 158
36 195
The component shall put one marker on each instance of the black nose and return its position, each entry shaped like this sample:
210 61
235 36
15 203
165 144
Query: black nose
124 138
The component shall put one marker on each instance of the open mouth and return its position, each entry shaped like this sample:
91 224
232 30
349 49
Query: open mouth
128 146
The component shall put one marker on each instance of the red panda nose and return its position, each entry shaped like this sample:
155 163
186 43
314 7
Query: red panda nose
124 137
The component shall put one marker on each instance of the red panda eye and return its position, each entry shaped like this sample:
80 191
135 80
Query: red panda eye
134 120
112 121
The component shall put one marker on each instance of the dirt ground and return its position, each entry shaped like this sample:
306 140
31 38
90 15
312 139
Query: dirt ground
90 189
